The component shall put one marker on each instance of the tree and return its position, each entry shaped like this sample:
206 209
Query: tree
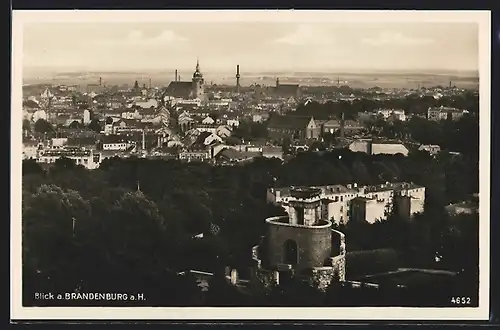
30 166
109 120
52 218
26 125
95 125
42 126
75 124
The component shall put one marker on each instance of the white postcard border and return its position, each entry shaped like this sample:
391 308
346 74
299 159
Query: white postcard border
19 18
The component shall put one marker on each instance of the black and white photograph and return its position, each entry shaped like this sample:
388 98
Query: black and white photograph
250 165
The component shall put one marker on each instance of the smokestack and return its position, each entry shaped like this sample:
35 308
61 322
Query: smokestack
342 123
143 140
238 78
277 82
149 83
176 75
100 81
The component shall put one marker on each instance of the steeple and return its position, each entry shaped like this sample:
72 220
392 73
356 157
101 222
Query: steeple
197 73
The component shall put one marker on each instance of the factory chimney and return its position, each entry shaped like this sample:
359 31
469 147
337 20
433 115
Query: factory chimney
100 81
238 78
176 76
342 124
277 82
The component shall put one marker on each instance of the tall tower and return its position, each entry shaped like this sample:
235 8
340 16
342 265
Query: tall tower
342 125
238 78
198 88
302 242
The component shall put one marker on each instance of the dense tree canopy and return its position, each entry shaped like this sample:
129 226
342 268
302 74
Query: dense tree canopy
42 126
131 223
412 104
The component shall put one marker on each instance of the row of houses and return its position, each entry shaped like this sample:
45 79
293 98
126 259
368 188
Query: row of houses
344 203
225 154
306 127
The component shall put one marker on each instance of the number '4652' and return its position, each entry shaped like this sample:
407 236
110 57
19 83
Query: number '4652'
460 300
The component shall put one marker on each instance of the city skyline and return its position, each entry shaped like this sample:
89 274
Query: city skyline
220 46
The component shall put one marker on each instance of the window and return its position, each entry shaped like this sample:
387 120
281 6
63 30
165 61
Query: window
291 252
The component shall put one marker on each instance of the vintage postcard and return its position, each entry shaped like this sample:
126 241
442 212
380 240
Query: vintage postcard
258 165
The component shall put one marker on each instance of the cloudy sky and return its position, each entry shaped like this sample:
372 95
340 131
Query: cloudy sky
263 46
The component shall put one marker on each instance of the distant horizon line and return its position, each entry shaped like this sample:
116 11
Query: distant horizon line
60 71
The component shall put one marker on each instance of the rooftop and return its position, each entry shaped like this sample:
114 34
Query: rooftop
341 189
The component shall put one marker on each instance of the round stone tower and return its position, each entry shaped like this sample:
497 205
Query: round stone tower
301 245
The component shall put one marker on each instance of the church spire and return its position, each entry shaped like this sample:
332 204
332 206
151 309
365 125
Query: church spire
197 73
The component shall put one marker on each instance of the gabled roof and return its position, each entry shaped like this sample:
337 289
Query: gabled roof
201 138
347 123
232 154
292 122
179 89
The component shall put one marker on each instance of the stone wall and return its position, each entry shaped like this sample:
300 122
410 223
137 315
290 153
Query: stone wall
314 245
338 264
322 277
263 279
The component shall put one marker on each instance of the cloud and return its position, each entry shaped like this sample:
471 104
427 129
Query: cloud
166 37
305 35
397 39
138 39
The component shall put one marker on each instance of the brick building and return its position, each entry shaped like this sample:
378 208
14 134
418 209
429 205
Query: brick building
294 127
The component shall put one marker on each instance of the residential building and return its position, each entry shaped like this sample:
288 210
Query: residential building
31 149
195 155
432 149
350 126
374 147
233 122
147 104
442 113
223 131
230 155
366 203
272 152
87 158
208 121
